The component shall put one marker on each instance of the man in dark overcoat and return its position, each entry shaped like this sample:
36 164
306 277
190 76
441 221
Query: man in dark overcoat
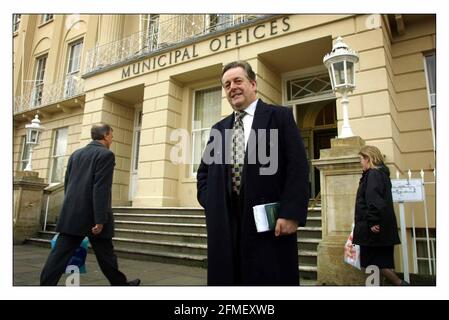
231 182
86 210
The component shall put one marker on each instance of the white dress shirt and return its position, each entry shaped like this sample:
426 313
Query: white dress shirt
248 120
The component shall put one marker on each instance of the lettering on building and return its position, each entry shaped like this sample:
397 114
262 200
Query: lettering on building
223 42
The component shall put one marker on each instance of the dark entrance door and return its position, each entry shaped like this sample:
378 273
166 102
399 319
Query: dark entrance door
321 140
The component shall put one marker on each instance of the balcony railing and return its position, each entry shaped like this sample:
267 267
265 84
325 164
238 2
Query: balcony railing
165 33
37 94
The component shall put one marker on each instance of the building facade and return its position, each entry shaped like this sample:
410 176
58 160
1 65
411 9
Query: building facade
156 80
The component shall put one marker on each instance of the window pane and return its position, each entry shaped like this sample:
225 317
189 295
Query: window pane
46 17
289 91
197 150
61 142
207 108
339 73
200 139
25 153
59 151
136 158
40 71
431 75
58 166
301 88
75 57
350 71
423 267
16 22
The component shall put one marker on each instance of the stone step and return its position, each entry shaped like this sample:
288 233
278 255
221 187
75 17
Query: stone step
308 244
165 213
161 246
310 232
158 210
307 272
47 235
307 257
162 226
155 217
162 235
50 227
188 219
195 260
40 242
149 244
183 210
314 212
307 282
313 222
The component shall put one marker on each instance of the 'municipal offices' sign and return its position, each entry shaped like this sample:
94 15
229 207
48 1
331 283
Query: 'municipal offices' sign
239 37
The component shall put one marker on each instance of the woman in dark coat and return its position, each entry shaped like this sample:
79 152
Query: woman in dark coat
375 228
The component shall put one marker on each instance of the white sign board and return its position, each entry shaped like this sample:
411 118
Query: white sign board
404 190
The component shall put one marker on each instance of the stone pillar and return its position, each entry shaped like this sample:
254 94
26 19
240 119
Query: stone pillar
158 175
340 172
28 197
120 117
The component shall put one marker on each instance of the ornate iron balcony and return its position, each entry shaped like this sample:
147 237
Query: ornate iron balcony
163 32
37 94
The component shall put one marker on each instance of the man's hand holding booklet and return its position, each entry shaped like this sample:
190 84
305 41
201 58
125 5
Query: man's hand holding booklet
265 216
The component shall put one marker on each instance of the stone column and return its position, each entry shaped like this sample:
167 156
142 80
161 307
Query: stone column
28 197
158 175
120 117
340 172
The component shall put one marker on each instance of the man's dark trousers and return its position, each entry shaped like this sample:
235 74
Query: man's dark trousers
65 248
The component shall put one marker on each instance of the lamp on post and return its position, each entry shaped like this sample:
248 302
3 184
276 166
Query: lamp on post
32 137
340 63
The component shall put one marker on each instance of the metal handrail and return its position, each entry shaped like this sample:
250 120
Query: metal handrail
36 93
167 33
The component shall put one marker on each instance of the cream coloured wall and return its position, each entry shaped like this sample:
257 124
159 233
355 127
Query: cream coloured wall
41 161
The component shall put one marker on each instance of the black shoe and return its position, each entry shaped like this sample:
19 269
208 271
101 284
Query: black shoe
134 282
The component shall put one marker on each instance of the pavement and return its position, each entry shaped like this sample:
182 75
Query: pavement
29 260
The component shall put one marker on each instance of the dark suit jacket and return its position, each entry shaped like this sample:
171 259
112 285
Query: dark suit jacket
87 187
266 259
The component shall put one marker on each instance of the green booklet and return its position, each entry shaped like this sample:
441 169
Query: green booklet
265 216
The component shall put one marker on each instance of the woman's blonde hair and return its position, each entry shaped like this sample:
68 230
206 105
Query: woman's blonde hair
373 154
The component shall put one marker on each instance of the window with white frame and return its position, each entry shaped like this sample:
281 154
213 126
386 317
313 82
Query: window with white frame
72 79
430 67
46 17
422 252
15 22
38 88
308 87
25 153
59 155
206 112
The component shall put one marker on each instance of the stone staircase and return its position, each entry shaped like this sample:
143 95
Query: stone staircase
178 235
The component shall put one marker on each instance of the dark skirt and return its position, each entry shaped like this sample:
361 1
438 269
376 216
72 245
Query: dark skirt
382 257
